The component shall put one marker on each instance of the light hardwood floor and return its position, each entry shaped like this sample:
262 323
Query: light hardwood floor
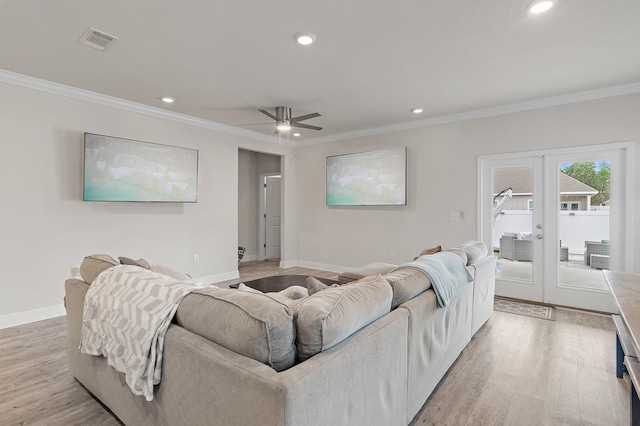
517 370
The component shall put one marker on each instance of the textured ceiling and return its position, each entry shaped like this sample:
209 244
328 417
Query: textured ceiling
373 61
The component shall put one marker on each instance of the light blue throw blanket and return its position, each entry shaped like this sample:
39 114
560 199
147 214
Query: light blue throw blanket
446 271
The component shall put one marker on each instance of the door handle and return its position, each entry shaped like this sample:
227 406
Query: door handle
539 236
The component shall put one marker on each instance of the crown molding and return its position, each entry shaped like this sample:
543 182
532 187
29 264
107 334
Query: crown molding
588 95
88 96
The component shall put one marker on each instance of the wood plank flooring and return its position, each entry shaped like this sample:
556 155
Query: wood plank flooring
517 370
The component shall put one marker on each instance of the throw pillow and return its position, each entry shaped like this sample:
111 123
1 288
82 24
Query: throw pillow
295 292
291 296
432 250
314 285
169 271
244 287
128 261
94 265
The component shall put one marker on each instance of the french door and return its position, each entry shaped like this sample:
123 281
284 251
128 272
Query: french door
514 226
549 226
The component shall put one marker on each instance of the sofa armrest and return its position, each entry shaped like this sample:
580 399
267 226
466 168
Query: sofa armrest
484 283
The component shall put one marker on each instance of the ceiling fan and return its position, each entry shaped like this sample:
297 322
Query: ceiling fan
284 121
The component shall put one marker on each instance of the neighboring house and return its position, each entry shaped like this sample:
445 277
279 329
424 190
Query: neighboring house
574 195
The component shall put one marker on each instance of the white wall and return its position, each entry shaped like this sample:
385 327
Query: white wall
47 228
250 166
443 179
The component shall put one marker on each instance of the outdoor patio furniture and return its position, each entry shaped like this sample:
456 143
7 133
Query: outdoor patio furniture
514 249
564 254
595 247
599 261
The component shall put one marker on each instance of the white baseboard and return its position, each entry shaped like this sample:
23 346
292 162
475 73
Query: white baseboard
33 315
321 266
249 257
212 279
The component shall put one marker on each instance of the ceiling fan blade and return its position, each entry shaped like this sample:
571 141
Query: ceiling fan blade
268 114
305 126
304 117
252 124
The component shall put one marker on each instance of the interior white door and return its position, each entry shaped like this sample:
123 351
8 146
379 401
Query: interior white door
272 217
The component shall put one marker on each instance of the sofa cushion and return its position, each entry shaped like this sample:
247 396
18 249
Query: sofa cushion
94 265
475 250
331 315
255 325
406 284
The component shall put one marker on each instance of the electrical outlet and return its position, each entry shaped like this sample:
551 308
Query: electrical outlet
74 271
196 258
456 216
392 255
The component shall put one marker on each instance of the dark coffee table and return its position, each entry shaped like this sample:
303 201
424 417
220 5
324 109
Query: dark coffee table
280 282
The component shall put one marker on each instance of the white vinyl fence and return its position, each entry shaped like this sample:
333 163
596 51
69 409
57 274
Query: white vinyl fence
574 228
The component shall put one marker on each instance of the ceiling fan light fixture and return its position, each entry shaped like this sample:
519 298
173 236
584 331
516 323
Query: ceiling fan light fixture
283 126
305 39
539 6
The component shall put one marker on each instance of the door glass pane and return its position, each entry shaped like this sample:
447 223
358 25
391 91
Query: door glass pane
583 223
512 222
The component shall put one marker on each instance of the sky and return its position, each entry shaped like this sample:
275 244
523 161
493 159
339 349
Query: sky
599 164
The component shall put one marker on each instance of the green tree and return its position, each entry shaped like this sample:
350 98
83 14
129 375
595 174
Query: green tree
596 175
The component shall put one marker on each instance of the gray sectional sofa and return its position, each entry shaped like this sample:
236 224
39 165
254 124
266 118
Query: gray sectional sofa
227 357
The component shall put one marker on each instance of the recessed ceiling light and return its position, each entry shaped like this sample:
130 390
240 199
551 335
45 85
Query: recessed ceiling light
540 6
167 99
417 110
305 39
296 134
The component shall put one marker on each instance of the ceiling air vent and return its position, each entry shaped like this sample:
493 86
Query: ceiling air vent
97 39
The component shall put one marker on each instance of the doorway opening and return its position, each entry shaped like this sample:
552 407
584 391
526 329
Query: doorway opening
254 168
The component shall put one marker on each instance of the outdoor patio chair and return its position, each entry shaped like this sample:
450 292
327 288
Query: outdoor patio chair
595 247
514 249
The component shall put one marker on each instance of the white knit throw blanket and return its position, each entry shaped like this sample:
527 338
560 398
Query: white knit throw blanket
127 311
